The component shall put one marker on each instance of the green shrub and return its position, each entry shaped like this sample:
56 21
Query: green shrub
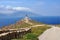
30 36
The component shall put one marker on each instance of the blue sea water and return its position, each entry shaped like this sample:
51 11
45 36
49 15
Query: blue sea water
46 20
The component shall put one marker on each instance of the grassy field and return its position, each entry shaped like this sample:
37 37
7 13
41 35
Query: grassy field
23 25
39 30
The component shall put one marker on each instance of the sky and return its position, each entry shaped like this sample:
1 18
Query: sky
41 7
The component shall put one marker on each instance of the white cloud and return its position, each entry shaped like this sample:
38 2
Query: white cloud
11 10
18 8
21 8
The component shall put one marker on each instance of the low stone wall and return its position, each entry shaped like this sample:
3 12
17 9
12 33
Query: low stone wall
12 35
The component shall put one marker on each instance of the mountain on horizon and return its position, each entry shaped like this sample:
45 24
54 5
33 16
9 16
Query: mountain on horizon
18 14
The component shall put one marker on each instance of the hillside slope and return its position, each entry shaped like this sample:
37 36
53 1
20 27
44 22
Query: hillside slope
25 22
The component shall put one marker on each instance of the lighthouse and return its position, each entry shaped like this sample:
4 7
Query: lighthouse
26 19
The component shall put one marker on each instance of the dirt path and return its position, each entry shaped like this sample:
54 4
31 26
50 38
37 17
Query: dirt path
51 34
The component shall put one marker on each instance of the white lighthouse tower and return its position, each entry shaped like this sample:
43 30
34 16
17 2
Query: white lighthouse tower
26 19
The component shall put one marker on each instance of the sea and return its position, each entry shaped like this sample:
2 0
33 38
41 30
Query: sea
54 20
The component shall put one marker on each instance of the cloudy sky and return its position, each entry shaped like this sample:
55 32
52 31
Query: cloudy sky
41 7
